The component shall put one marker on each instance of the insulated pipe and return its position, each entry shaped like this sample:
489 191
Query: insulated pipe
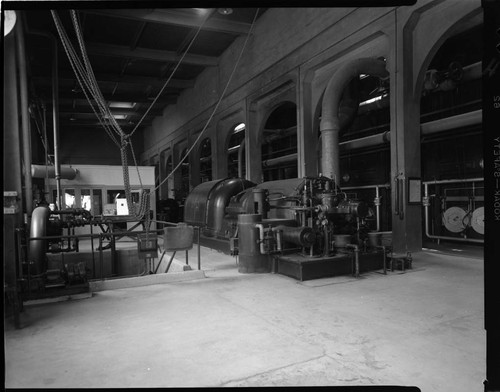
261 228
279 160
445 124
38 228
25 123
330 123
367 141
42 171
240 158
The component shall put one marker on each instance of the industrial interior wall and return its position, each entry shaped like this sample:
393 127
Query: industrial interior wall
79 147
267 57
312 34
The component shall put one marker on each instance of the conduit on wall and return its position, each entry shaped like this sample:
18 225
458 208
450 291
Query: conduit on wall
330 122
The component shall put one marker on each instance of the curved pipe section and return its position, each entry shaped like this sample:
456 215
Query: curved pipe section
330 122
37 248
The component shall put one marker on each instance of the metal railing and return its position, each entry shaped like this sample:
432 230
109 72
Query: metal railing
103 237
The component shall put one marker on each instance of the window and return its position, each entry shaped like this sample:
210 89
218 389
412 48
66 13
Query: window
236 138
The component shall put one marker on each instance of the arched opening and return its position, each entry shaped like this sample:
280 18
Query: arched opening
279 143
452 141
235 143
206 160
365 159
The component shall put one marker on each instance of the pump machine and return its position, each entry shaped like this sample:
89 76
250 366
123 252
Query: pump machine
305 228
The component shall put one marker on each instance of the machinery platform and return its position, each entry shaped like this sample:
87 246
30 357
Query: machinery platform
307 268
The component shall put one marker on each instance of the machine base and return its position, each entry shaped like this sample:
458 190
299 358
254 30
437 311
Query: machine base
306 268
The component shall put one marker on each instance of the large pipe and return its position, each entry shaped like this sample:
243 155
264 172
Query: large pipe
42 171
458 121
444 124
330 123
38 228
367 141
279 160
25 123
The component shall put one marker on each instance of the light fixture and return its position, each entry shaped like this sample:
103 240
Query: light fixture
225 11
121 105
239 127
9 20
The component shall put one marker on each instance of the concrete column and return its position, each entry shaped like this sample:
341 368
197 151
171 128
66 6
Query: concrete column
194 161
405 141
11 156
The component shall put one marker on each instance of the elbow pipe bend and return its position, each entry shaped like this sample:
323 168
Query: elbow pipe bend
338 82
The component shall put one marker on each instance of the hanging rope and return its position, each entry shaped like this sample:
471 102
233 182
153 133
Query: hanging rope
87 81
216 105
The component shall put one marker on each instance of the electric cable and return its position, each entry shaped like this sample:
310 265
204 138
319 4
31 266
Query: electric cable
216 105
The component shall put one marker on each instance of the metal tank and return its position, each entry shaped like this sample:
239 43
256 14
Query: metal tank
250 258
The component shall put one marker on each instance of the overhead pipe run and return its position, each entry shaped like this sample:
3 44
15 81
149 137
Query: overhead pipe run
444 124
330 122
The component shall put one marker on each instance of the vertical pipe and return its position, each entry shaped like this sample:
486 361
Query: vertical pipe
55 117
377 207
199 250
25 123
240 158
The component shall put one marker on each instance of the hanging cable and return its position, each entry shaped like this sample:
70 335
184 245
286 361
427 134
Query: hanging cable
171 74
216 105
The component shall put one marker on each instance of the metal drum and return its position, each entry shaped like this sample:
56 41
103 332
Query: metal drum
478 220
251 260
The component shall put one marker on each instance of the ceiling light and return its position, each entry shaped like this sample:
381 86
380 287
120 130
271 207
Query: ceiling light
121 105
225 11
239 127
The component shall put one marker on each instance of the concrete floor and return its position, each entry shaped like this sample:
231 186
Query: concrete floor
420 328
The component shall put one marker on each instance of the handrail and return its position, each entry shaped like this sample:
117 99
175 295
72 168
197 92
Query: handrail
112 239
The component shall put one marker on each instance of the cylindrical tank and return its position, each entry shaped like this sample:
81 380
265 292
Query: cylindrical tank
259 199
250 258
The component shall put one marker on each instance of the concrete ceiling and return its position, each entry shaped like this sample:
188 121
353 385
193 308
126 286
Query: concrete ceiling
133 52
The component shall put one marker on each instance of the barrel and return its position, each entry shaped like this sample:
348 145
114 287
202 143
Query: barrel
250 258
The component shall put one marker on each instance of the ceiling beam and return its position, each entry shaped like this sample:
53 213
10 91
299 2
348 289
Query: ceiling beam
88 111
127 79
177 18
150 54
79 99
